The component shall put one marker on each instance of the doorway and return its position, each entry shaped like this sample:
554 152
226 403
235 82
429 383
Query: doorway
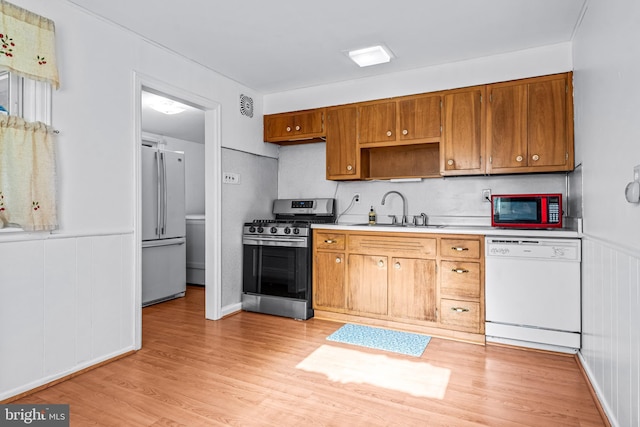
208 112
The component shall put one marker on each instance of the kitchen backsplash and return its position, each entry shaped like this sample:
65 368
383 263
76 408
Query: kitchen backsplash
301 173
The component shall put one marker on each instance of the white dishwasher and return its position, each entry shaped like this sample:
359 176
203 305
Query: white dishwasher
532 292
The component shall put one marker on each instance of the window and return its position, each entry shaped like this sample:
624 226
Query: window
24 97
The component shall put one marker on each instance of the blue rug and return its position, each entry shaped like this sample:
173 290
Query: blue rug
381 339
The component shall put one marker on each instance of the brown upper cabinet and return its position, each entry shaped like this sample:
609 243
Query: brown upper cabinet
297 126
520 126
530 125
341 150
462 147
405 120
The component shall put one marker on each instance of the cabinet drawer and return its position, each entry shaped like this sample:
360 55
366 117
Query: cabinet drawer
398 246
460 279
331 241
463 315
460 248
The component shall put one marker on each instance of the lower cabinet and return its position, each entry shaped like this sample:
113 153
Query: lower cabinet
426 282
412 289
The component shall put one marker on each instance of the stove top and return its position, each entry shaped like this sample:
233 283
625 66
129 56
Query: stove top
293 218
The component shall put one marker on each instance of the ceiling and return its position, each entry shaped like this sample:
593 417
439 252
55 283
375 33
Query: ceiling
278 45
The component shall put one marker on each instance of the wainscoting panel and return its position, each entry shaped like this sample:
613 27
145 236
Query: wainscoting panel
66 303
611 327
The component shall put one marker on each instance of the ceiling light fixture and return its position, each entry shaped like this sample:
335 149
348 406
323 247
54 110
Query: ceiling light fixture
370 56
167 106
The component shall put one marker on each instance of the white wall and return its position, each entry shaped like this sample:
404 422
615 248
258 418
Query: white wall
607 129
251 198
491 69
95 152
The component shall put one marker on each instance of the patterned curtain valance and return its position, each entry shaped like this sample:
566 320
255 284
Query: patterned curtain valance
27 44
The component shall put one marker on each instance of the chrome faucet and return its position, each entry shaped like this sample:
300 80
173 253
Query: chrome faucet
404 204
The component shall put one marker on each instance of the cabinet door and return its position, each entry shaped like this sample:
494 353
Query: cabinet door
412 289
294 126
328 284
507 127
463 139
278 126
419 118
377 122
341 146
309 123
547 127
367 284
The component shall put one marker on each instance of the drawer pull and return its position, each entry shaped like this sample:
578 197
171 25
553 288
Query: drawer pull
338 260
329 241
459 249
459 270
380 263
459 309
397 265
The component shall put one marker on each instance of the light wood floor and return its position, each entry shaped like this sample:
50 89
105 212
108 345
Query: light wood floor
241 371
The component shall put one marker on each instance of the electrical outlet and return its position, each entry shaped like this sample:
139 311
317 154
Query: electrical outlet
230 178
486 195
356 197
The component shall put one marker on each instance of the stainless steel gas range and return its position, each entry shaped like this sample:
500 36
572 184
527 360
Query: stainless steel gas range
277 258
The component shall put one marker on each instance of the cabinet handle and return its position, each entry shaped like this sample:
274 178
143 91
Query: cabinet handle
380 263
389 133
535 157
459 270
397 265
288 128
297 127
329 241
459 249
518 158
450 162
404 132
338 260
459 309
349 167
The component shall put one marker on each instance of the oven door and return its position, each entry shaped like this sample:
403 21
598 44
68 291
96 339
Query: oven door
277 271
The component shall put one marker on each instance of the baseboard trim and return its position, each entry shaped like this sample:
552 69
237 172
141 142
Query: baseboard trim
592 391
66 377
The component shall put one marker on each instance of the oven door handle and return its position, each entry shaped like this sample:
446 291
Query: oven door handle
274 241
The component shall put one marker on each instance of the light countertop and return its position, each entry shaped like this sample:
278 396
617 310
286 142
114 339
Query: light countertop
455 229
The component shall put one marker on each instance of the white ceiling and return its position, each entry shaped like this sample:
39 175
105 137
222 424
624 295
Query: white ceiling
277 45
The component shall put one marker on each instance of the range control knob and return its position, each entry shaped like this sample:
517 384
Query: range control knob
287 230
274 230
296 230
260 229
252 229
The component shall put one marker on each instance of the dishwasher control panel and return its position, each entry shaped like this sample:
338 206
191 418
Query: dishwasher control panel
565 249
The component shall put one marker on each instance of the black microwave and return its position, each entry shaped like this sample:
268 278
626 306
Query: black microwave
526 210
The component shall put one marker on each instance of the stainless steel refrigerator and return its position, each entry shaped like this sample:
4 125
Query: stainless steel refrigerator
163 225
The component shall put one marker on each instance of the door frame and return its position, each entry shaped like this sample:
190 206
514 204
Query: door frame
213 195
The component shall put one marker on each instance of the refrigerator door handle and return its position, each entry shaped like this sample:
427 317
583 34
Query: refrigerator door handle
164 193
158 201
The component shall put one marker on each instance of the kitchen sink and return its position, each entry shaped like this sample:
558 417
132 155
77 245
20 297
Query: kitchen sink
363 224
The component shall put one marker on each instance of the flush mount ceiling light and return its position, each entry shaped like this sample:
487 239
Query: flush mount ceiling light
167 106
370 56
